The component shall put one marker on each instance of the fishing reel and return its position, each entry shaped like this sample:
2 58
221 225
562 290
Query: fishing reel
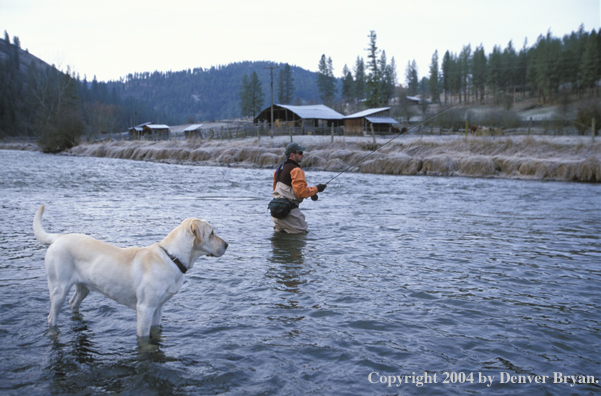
314 197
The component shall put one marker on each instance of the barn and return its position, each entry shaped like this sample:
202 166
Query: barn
135 132
194 130
156 131
362 121
308 117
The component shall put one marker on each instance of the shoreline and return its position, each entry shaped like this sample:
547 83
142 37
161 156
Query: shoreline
555 158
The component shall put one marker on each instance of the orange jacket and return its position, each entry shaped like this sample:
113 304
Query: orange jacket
299 185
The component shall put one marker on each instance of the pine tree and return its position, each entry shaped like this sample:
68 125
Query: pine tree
373 81
347 84
245 96
281 90
464 67
285 85
411 78
433 81
389 81
251 95
326 82
495 70
591 58
288 84
359 89
256 95
522 68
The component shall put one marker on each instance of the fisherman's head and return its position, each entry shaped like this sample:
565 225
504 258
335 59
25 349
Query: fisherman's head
295 152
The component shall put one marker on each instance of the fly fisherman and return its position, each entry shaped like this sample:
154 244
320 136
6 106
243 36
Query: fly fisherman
289 183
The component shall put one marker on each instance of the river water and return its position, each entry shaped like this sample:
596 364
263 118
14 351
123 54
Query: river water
467 280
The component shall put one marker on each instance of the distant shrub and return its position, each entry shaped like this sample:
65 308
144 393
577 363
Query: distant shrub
453 119
65 134
584 119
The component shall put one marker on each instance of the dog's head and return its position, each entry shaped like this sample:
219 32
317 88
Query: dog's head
194 238
205 241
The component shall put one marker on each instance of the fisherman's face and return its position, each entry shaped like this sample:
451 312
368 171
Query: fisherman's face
298 157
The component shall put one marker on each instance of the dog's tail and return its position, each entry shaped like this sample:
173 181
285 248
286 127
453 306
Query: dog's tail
38 229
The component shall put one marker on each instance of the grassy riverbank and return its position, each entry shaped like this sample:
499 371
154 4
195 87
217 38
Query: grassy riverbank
559 158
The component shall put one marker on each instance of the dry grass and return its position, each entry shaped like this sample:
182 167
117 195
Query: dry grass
548 158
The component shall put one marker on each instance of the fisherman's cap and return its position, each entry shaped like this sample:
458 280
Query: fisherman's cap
294 148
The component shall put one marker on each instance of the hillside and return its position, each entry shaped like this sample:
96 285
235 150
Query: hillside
25 58
162 97
208 94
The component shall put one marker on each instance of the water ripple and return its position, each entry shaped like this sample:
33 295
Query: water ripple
398 276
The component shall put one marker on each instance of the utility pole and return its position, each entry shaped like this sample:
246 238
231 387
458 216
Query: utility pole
271 71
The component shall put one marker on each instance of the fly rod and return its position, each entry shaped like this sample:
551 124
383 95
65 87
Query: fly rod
413 127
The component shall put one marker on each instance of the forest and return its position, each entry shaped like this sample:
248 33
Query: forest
39 101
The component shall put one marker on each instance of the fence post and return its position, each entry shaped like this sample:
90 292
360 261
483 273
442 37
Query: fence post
332 134
529 125
466 129
258 133
593 132
290 135
373 135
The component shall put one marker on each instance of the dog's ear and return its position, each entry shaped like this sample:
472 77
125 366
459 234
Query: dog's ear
198 230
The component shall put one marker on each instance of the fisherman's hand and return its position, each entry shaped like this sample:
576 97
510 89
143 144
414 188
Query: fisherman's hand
321 187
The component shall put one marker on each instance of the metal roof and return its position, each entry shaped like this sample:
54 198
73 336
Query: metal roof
138 128
318 112
381 120
193 127
157 126
367 112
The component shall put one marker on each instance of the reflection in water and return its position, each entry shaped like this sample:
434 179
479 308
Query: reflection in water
69 363
288 255
75 365
287 249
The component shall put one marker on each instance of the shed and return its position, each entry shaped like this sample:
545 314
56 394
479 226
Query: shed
194 130
311 116
363 120
136 131
158 131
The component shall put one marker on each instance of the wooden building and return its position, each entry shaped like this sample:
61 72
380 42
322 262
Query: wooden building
194 130
135 132
307 117
156 131
363 121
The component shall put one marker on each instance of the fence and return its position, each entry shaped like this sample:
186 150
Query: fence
249 130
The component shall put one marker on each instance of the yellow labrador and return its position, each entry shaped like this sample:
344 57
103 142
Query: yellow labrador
140 278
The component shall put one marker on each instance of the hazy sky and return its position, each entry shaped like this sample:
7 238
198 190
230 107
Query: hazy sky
110 39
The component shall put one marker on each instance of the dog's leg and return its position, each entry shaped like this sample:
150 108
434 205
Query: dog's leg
156 318
58 295
81 292
59 283
145 315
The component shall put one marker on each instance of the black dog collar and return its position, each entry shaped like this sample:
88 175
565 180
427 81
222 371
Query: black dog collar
176 261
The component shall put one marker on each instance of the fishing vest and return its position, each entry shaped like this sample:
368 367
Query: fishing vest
283 173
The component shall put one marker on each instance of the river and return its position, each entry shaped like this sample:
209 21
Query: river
404 284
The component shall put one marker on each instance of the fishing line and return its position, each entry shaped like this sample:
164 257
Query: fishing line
413 127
